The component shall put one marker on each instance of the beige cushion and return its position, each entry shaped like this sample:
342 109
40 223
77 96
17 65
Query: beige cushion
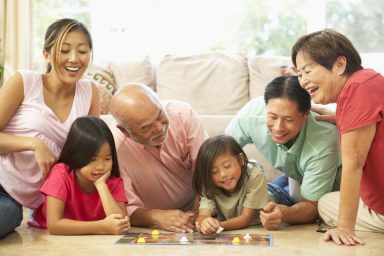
263 69
140 70
215 83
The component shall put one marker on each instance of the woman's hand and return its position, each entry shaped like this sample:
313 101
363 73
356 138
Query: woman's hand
324 115
342 236
44 156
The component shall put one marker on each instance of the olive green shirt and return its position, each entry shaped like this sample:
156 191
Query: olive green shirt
253 194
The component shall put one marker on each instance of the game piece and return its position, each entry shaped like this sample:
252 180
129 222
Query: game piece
184 239
141 240
236 240
219 230
155 232
247 236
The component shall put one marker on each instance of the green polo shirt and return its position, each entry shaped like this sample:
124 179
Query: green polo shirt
312 160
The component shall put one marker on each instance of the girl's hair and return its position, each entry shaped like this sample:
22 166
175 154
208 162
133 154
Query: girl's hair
325 46
85 138
288 87
208 153
56 33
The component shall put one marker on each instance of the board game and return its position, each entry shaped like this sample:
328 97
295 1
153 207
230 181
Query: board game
157 238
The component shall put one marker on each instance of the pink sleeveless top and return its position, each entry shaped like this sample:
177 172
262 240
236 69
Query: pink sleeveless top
20 174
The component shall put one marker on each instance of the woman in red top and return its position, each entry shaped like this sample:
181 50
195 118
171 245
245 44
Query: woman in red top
329 68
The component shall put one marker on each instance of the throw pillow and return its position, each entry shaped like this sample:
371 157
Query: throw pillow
104 79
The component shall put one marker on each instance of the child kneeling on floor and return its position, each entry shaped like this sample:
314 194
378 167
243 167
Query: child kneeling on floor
84 191
229 190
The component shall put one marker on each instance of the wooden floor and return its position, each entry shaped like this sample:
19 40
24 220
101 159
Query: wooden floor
290 241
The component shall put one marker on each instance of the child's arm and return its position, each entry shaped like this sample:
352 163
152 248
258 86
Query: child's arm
205 223
109 203
57 225
240 221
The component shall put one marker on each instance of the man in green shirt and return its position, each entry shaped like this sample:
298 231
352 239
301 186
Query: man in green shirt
284 129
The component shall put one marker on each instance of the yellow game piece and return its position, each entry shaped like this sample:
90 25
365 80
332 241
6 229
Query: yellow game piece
155 232
236 240
141 240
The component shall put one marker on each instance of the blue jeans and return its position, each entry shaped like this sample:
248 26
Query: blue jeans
279 188
11 213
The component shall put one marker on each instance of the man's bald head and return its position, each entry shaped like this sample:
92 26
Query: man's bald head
136 107
129 99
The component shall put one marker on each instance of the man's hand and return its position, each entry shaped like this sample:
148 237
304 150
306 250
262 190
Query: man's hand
272 216
342 236
175 220
324 115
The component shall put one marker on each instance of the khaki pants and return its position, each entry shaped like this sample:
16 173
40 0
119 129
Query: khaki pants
367 219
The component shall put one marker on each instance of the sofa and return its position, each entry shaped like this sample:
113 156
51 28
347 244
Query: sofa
216 84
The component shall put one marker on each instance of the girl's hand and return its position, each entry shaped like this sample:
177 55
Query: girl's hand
44 157
209 226
103 179
115 224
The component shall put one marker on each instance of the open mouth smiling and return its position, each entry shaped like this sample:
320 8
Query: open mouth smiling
312 90
72 69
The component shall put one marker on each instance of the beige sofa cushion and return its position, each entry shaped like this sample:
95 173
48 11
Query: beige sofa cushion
215 83
139 70
263 69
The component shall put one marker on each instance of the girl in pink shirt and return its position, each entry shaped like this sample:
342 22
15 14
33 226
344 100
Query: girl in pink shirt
84 191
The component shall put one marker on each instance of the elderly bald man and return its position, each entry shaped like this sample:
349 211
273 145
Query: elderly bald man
157 143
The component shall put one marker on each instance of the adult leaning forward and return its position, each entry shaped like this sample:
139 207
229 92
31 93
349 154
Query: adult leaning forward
329 68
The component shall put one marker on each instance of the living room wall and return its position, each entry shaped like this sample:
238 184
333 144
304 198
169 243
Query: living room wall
134 29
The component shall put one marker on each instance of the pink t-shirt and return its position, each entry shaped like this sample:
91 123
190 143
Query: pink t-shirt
61 184
20 174
361 103
161 178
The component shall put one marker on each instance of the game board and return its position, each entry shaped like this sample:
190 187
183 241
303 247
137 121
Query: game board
196 239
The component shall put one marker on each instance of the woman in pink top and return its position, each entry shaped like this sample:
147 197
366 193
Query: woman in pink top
84 191
329 68
36 112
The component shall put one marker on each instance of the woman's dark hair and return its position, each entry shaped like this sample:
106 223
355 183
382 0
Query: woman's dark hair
56 33
288 87
325 46
84 140
208 152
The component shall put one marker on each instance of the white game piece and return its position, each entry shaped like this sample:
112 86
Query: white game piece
219 230
184 239
247 236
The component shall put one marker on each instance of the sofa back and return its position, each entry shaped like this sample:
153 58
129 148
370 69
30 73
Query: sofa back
213 83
